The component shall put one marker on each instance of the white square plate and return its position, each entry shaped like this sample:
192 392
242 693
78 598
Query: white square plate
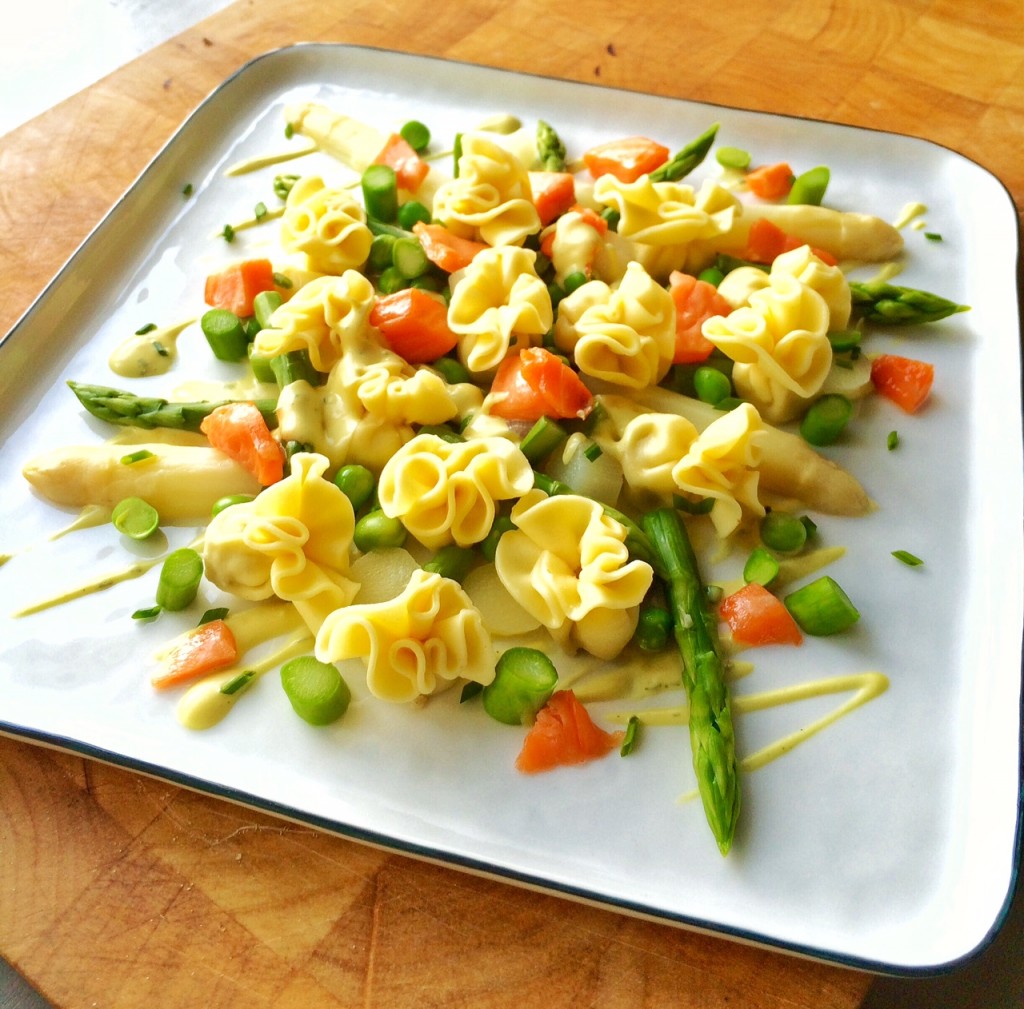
887 841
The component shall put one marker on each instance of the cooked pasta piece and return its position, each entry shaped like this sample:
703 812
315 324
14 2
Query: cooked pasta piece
448 492
829 281
366 409
666 454
327 225
417 644
293 541
624 335
319 318
498 302
568 566
792 473
779 343
667 213
490 199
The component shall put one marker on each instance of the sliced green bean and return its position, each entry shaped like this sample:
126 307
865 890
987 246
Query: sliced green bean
180 575
316 690
135 518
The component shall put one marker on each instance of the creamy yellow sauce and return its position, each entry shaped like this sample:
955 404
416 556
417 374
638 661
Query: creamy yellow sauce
266 160
144 354
862 687
911 212
90 517
135 570
205 704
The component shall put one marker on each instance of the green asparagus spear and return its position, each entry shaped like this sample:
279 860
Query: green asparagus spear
711 730
686 160
550 149
119 407
879 301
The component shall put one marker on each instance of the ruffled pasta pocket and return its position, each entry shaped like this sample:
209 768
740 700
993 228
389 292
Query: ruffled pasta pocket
417 644
293 541
667 213
722 463
490 199
779 341
445 492
497 301
327 225
623 335
567 565
320 318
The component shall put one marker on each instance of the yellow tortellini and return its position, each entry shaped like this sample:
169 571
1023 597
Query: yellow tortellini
417 644
497 302
490 199
373 398
664 219
624 335
567 565
448 492
666 454
327 225
779 341
829 281
292 541
319 318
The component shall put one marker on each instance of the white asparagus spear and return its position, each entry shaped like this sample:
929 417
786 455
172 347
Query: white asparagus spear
181 482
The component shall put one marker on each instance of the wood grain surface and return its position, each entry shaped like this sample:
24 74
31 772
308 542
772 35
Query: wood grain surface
122 891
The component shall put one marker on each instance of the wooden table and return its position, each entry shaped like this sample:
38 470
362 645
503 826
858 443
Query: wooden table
121 891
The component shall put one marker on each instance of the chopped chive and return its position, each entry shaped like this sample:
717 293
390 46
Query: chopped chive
149 613
289 131
282 280
907 558
259 211
187 189
933 236
161 349
143 330
228 233
592 452
239 682
631 738
702 506
133 457
469 691
217 613
892 440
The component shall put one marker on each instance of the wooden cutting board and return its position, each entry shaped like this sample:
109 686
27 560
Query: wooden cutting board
118 890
